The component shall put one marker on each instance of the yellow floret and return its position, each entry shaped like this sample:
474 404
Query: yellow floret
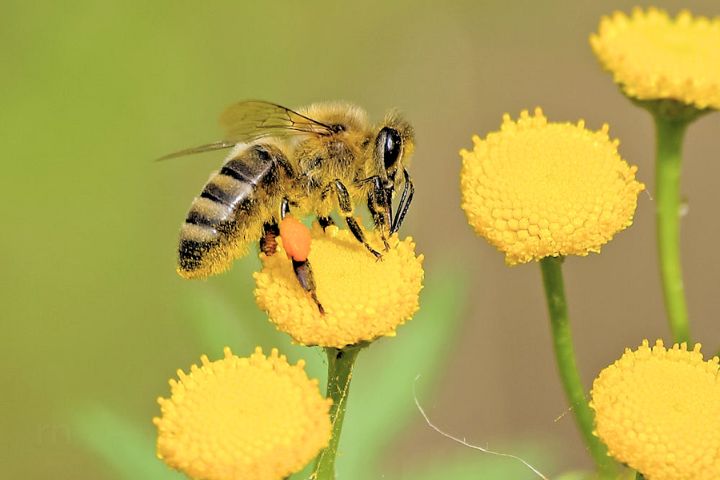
658 411
653 56
537 189
255 418
363 298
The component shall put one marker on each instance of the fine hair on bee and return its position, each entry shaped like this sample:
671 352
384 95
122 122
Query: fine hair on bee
320 159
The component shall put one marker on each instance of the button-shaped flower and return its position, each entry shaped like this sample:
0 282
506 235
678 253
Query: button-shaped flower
255 418
655 57
658 411
364 298
537 189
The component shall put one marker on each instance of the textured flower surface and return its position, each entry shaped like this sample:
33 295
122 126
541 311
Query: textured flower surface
536 189
653 56
243 418
658 411
363 298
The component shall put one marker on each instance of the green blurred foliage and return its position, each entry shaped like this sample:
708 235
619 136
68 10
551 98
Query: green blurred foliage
92 92
94 319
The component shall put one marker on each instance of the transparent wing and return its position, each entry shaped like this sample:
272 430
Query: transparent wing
253 119
208 147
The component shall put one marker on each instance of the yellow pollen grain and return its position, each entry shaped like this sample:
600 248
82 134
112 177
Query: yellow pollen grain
658 410
536 189
654 56
255 418
363 298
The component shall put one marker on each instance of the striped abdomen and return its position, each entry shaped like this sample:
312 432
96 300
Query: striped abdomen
224 218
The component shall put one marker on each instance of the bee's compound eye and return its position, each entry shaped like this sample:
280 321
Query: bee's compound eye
392 146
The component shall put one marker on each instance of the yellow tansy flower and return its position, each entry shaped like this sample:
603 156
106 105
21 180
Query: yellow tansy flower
653 56
255 418
363 298
658 411
537 189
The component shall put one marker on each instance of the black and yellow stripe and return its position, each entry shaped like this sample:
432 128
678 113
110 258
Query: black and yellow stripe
226 206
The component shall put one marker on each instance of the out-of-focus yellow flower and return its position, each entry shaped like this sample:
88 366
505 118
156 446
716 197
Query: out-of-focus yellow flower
653 56
252 418
363 298
658 411
537 189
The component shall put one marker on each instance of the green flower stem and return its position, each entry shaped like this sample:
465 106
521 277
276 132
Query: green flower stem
639 476
340 367
670 134
565 356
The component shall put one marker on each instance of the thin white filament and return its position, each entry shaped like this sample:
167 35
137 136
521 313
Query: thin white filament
462 441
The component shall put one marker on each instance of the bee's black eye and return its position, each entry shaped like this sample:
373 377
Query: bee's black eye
391 143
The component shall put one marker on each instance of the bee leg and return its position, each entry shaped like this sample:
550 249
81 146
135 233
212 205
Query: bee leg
358 234
268 241
284 208
405 200
303 272
346 210
325 222
381 209
302 268
379 221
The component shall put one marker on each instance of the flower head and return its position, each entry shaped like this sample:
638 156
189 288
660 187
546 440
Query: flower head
536 189
653 56
363 298
658 411
253 418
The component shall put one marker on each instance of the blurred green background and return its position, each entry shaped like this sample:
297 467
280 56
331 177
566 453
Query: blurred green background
95 320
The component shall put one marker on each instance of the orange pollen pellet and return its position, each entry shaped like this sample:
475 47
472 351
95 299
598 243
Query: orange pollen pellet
296 238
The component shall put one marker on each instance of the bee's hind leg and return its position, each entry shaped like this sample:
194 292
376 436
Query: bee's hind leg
304 274
346 210
301 264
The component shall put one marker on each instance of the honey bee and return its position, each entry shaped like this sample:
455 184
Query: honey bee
322 158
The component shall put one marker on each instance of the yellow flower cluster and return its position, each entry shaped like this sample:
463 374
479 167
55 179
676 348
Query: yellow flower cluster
536 189
255 418
653 56
658 411
363 298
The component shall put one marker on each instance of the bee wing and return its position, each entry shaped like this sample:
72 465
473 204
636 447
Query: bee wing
208 147
253 119
249 120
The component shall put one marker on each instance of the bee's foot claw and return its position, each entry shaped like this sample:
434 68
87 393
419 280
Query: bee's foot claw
317 302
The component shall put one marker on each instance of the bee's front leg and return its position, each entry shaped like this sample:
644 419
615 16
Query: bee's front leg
380 206
405 201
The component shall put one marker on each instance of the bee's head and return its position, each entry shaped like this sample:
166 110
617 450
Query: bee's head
394 145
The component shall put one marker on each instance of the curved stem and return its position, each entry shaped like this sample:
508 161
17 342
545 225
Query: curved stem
669 133
340 367
565 356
